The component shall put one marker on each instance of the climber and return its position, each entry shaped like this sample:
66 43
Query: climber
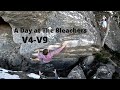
104 23
46 56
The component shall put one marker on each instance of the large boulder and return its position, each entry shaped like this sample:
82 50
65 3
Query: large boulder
76 73
13 49
113 38
104 72
9 50
56 19
87 63
88 60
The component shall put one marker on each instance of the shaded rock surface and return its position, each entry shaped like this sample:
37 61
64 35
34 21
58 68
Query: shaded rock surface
95 70
113 39
88 60
104 72
9 74
9 50
76 73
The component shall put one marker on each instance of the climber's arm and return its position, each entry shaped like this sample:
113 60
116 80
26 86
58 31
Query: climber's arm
57 51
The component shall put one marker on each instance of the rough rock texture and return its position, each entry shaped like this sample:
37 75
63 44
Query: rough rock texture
104 72
9 51
88 60
87 63
113 39
9 74
62 19
76 73
13 51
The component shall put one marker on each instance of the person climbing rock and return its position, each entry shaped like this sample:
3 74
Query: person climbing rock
104 23
46 56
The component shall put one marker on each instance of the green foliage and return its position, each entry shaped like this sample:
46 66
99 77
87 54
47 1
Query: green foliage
102 56
116 75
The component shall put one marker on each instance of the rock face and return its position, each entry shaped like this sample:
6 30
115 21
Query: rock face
88 60
113 39
87 63
13 50
9 51
76 73
104 72
9 74
55 19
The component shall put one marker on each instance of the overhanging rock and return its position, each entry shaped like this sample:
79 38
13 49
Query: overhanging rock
79 42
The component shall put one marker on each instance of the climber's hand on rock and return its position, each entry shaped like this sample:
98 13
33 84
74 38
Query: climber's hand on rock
65 43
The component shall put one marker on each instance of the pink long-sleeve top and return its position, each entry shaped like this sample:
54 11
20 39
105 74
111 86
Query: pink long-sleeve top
47 58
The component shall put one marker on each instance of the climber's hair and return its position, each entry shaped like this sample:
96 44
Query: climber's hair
45 51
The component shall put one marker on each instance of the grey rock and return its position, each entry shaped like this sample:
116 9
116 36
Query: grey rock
9 74
113 38
76 73
12 46
86 64
58 64
9 50
88 60
62 19
104 72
